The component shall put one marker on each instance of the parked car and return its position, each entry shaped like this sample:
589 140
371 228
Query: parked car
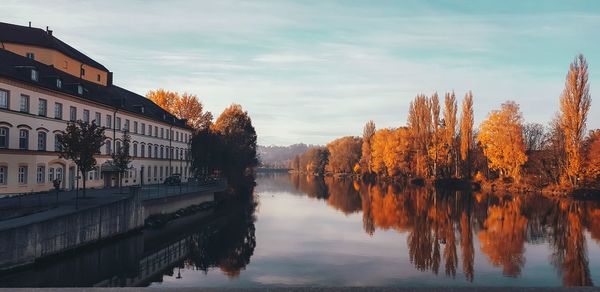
174 179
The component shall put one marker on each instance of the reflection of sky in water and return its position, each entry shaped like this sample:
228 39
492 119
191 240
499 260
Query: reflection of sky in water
303 241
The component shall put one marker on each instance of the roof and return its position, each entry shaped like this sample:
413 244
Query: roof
17 67
11 33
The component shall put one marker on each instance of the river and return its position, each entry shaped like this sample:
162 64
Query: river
306 231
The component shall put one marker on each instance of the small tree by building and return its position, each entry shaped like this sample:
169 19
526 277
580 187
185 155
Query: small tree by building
80 142
121 157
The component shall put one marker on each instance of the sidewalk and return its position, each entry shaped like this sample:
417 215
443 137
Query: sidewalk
40 205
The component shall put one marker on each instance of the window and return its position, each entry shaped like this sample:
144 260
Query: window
156 151
171 152
118 146
135 145
149 151
135 127
98 78
43 107
41 174
176 136
86 116
24 139
22 177
58 83
162 152
176 153
41 141
51 174
108 121
4 99
118 123
72 114
24 106
58 110
126 126
98 119
82 72
30 55
80 89
59 173
108 145
3 137
3 175
143 129
34 75
155 171
57 146
142 150
168 134
162 133
155 131
161 172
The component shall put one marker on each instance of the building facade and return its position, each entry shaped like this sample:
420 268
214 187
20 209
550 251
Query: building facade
44 85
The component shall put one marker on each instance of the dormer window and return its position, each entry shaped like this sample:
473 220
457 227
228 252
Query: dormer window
30 56
142 109
80 89
58 83
82 72
34 75
98 78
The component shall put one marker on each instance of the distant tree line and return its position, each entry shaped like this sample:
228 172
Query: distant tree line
439 143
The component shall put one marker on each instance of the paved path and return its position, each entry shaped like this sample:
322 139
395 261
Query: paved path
29 208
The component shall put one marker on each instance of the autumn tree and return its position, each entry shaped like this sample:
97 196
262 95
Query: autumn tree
501 136
436 150
391 152
314 160
183 106
365 160
574 106
80 142
344 154
466 132
450 109
419 125
592 155
534 136
237 139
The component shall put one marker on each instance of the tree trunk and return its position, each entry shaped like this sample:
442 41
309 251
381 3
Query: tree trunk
84 180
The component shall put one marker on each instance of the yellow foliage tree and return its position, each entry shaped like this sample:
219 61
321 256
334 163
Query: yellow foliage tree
574 106
185 106
501 136
466 132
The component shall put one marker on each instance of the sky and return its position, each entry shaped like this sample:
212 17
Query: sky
313 71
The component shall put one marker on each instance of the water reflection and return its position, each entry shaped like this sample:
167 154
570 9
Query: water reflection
439 223
303 230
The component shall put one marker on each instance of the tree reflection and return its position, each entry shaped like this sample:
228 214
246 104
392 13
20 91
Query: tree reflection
230 243
442 225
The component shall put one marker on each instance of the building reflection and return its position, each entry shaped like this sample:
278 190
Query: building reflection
443 225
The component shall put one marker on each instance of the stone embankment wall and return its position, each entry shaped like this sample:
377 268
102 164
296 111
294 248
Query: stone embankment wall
22 245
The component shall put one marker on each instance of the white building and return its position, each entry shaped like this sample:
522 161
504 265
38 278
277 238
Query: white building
44 84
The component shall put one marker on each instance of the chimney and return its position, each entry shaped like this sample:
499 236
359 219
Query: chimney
30 24
48 31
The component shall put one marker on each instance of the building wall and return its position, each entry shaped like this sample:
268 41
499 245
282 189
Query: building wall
60 61
14 121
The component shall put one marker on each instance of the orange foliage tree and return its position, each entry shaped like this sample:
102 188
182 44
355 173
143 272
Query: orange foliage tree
574 106
365 159
344 154
185 106
501 136
390 151
466 132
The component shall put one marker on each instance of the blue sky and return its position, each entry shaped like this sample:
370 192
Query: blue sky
312 71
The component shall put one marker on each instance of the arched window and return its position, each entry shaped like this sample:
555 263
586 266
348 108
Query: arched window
149 151
135 151
162 152
156 151
23 139
108 147
3 137
41 141
142 150
57 146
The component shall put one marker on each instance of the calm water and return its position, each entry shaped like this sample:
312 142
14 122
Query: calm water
339 233
310 232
